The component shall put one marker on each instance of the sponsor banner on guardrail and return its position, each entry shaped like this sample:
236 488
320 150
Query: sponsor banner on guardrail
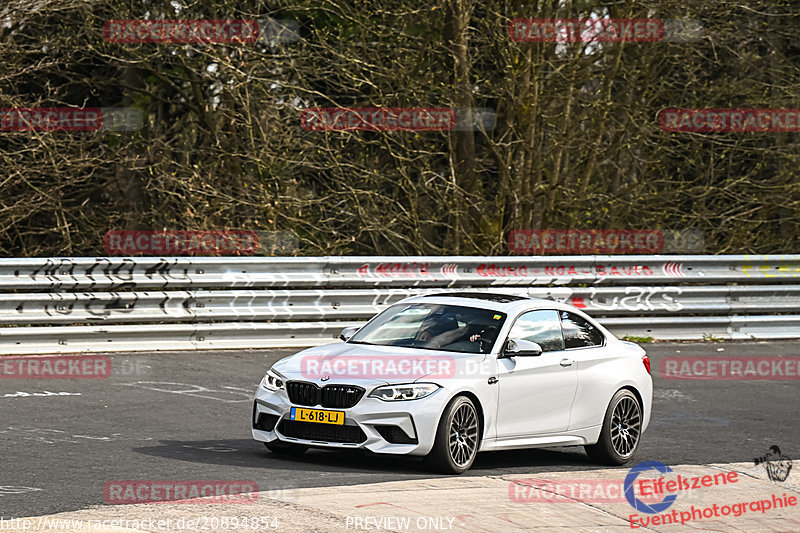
510 271
96 273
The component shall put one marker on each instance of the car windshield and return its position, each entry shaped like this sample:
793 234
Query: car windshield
434 327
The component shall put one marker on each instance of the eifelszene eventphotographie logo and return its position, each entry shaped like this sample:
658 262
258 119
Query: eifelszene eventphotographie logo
630 495
775 463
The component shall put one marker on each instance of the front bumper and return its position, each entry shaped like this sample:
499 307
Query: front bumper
418 419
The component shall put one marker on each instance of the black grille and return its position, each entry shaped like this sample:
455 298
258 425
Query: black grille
303 393
395 435
266 422
322 432
341 396
337 396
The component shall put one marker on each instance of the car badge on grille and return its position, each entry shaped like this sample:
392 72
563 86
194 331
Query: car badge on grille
326 377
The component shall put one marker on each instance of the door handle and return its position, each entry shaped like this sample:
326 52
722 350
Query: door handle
566 362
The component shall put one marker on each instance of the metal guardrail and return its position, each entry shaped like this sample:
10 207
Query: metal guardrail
355 304
124 273
97 304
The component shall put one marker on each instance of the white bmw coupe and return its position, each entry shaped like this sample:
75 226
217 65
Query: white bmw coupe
449 375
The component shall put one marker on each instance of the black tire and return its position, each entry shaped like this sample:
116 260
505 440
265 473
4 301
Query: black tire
457 438
621 433
283 448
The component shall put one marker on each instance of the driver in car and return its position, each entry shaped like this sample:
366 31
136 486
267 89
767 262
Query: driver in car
487 335
441 329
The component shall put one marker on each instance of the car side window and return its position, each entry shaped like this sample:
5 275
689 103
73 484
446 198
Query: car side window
578 332
542 327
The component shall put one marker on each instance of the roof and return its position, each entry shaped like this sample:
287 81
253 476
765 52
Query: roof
487 296
506 303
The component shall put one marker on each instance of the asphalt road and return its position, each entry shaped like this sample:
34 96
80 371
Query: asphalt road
186 416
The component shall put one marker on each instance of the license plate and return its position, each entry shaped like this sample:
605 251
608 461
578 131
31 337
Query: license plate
317 415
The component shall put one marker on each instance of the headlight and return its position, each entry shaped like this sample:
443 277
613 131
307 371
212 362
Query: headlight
406 391
272 381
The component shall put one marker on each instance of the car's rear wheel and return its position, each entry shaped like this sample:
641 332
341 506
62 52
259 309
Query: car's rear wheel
622 428
457 438
277 446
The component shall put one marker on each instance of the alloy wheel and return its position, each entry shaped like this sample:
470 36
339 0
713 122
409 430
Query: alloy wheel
626 425
463 438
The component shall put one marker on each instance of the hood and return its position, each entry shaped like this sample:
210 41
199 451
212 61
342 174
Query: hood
370 365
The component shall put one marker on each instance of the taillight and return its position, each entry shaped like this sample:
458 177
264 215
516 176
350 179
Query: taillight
646 362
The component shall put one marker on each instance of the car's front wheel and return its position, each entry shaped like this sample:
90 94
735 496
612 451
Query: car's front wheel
457 438
622 428
277 446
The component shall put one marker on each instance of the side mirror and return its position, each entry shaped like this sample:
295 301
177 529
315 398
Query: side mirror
521 348
348 332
